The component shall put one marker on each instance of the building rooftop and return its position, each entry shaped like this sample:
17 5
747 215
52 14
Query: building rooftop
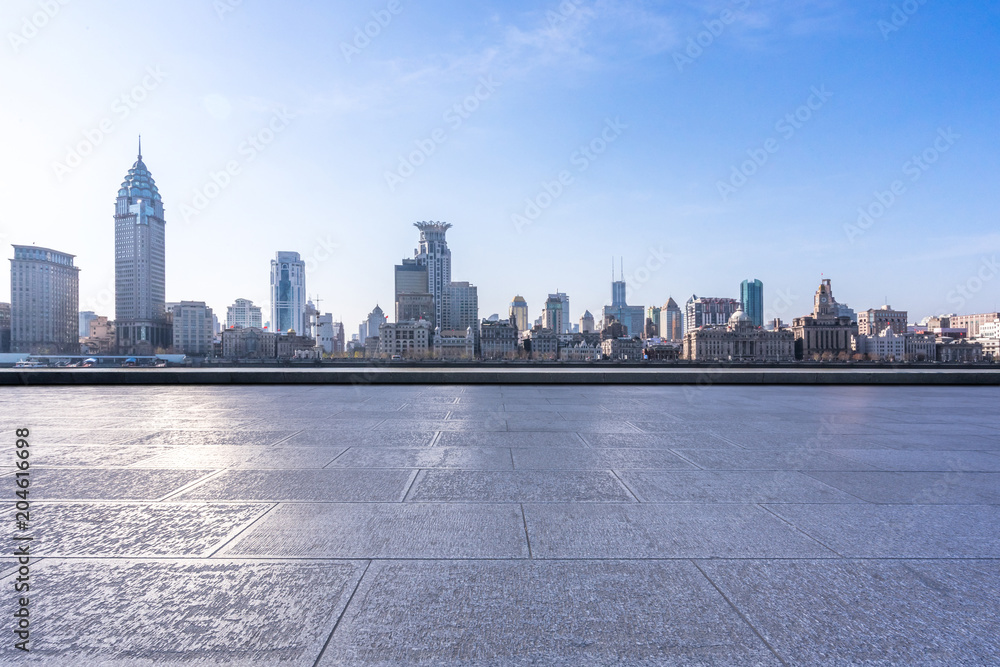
511 525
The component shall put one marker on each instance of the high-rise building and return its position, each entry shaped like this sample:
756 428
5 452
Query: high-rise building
4 328
44 301
433 254
86 316
461 306
874 321
824 333
413 298
566 322
632 317
330 334
243 314
971 323
671 321
193 330
752 300
708 312
288 292
553 317
141 324
519 313
370 327
587 322
653 315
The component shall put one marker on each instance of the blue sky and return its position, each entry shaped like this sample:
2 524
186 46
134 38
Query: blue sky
833 99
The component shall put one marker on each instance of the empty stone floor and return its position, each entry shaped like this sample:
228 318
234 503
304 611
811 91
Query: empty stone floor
506 525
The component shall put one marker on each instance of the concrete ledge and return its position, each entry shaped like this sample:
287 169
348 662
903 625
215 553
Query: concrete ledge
541 375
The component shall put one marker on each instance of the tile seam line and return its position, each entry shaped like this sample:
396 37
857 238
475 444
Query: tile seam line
777 516
194 484
739 613
343 612
243 530
622 482
527 538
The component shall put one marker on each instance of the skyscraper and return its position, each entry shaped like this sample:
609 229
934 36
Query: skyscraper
288 292
752 300
632 317
141 324
433 254
44 301
564 299
243 314
707 311
587 322
553 316
671 321
519 313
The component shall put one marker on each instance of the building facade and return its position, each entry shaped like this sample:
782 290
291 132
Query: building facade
553 316
587 322
454 344
141 324
410 339
100 339
44 302
627 348
249 343
824 334
461 306
708 312
887 345
519 313
971 323
752 300
671 322
739 341
288 292
4 328
330 335
498 339
192 328
873 322
632 317
244 314
86 317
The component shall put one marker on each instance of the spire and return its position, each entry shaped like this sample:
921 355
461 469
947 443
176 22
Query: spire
140 146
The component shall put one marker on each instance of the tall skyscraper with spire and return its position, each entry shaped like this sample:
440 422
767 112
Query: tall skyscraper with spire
141 324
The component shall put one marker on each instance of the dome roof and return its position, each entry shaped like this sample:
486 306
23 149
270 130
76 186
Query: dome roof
139 183
739 317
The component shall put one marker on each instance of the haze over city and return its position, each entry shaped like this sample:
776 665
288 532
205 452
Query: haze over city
739 139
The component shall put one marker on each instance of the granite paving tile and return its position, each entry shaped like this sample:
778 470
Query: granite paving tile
94 456
336 437
571 530
518 486
211 437
508 439
136 529
899 531
866 612
468 458
109 483
386 530
656 440
610 425
404 425
328 485
797 459
712 486
926 488
188 612
576 458
531 613
245 456
923 460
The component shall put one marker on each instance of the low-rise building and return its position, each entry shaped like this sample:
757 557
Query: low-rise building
622 349
920 347
455 344
294 346
542 343
873 322
498 339
739 340
958 351
580 352
887 345
249 343
410 339
661 350
100 337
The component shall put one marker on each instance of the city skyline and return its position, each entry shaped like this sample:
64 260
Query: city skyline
642 164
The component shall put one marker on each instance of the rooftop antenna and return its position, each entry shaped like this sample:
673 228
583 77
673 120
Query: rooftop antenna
621 266
140 146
